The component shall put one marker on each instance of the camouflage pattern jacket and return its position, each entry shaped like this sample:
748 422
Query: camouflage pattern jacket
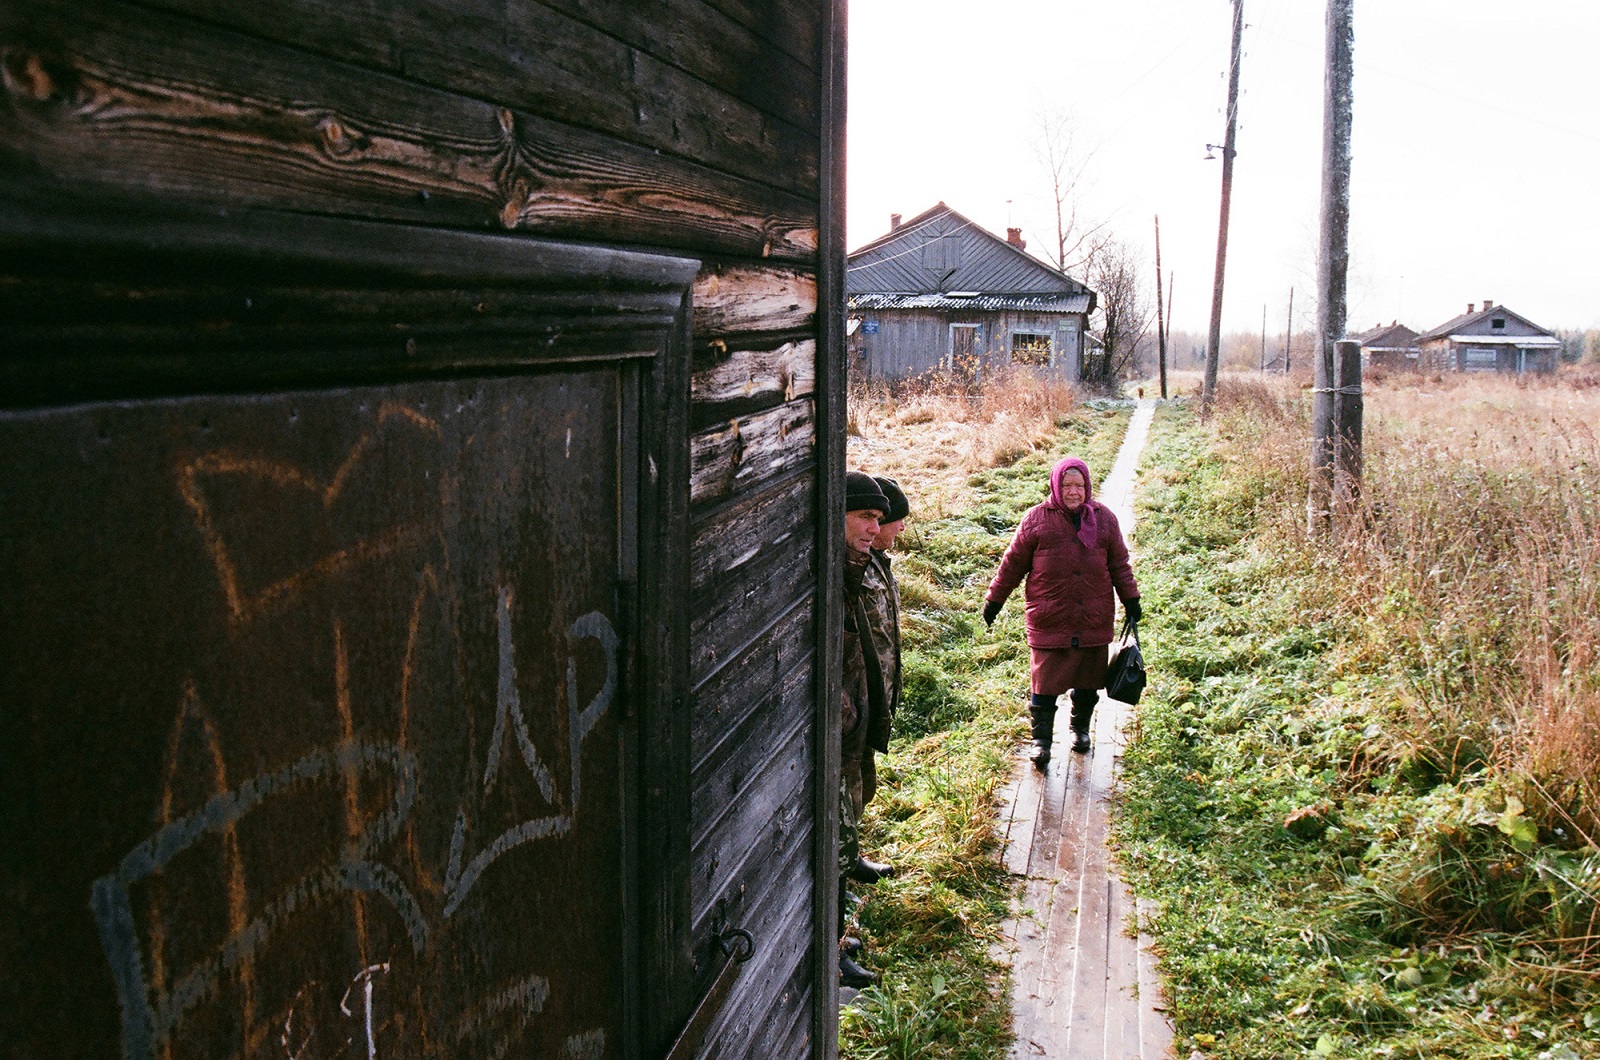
855 705
880 600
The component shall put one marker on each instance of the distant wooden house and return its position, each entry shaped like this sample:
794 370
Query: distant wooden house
938 291
422 431
1489 339
1392 347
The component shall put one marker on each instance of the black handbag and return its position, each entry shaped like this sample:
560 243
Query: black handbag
1125 675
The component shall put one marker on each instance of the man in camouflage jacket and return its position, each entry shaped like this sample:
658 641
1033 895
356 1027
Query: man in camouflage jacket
865 506
880 606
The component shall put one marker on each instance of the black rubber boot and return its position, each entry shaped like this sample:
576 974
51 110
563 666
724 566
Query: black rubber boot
864 871
853 975
1043 715
1083 701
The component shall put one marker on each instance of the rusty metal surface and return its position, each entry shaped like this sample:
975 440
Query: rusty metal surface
314 732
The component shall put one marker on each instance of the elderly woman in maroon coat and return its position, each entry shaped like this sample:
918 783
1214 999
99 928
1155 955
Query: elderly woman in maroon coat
1070 550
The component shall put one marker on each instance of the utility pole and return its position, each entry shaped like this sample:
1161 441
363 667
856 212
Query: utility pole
1171 277
1263 338
1161 327
1288 333
1347 415
1329 451
1208 392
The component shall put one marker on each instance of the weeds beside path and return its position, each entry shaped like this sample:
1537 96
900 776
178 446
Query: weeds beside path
1340 796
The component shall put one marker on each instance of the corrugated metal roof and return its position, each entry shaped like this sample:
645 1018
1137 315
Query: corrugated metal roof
940 251
1041 303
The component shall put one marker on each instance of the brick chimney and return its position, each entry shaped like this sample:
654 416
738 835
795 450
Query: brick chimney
1014 237
1471 307
894 221
1488 304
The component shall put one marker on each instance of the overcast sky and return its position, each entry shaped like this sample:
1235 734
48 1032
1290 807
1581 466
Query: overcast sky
1476 170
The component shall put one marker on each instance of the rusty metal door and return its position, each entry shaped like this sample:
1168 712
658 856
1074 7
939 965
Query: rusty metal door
327 645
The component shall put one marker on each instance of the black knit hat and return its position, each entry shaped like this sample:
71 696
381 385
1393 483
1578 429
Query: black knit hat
861 491
899 507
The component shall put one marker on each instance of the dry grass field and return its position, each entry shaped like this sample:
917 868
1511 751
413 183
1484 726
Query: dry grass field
938 430
1478 552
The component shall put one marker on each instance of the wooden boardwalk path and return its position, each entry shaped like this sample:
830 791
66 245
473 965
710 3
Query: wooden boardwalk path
1081 986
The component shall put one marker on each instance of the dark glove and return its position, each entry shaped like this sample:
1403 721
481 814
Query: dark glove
1134 609
990 610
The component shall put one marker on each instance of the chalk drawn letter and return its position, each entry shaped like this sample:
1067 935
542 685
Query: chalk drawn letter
363 979
592 625
459 878
508 708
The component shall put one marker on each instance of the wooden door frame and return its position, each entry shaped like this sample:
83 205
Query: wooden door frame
831 413
950 342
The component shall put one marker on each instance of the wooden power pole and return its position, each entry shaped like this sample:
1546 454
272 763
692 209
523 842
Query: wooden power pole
1288 333
1263 338
1161 326
1171 279
1208 391
1331 449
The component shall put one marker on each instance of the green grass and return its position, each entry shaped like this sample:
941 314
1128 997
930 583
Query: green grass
1326 876
1411 908
931 929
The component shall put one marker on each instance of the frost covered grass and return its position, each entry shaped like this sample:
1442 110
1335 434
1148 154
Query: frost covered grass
1361 796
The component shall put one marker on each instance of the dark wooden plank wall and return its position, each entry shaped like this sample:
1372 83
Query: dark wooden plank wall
753 639
690 125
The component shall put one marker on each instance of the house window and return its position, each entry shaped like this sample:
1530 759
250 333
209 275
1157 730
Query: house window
1030 348
1478 359
1498 323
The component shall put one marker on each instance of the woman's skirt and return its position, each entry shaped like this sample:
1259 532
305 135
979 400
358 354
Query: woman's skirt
1056 670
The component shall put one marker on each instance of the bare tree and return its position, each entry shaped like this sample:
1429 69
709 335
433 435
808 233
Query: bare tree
1065 160
1124 313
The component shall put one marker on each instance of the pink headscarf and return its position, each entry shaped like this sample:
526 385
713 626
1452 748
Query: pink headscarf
1088 526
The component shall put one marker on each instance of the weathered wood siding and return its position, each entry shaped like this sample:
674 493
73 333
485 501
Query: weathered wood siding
695 128
1066 338
909 342
753 639
1390 360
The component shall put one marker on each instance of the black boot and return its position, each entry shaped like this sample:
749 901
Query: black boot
1043 715
853 975
1083 701
864 871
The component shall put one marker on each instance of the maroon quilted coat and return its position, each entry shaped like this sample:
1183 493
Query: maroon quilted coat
1071 570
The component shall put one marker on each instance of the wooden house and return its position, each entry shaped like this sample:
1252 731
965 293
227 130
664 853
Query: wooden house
938 291
422 433
1391 347
1490 338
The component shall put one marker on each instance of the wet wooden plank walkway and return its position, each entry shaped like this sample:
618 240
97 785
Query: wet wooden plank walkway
1082 987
